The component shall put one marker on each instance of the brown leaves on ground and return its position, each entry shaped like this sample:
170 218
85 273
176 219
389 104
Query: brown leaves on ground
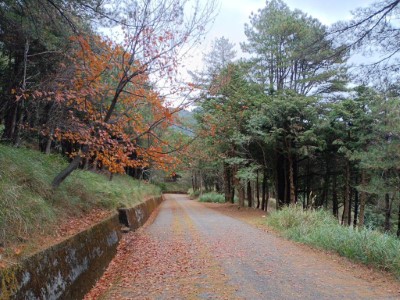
250 215
257 218
65 228
191 252
74 224
163 263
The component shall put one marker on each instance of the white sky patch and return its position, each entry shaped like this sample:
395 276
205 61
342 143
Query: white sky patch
234 14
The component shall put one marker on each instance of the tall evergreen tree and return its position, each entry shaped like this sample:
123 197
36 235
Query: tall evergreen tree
291 51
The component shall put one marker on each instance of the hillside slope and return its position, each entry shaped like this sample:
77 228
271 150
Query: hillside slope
30 209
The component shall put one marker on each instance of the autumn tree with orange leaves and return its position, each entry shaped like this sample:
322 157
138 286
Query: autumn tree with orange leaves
107 133
102 102
114 87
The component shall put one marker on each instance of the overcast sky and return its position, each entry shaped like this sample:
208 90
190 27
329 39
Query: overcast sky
233 14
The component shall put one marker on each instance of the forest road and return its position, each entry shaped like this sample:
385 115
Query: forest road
189 251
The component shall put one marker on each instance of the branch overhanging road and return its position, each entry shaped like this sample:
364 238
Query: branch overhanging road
189 251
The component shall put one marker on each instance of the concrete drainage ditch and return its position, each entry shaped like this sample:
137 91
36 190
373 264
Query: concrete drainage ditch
68 270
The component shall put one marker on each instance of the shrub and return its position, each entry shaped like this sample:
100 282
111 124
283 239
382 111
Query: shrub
212 197
162 186
319 228
193 194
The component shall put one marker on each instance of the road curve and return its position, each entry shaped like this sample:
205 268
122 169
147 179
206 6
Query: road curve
192 252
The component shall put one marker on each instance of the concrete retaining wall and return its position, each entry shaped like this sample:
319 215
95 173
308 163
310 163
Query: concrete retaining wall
68 270
137 216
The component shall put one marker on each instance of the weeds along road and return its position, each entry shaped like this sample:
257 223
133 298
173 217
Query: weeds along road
188 251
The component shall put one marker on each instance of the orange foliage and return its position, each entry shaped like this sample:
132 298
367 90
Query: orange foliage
127 138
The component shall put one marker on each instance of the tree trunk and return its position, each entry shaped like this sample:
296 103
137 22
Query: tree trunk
228 186
86 164
363 198
335 202
295 178
346 209
218 184
241 193
249 194
201 182
398 223
48 143
239 187
196 181
67 171
18 124
258 190
325 193
264 191
292 197
10 120
286 190
10 106
280 181
17 139
350 205
388 212
193 181
306 201
266 195
355 208
94 166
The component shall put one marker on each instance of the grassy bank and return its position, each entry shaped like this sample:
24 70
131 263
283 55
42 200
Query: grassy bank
321 229
212 197
28 204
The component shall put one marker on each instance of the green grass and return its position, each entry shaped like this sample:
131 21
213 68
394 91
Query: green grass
212 197
193 194
320 229
29 205
167 187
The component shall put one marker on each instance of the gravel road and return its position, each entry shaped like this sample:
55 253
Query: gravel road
189 251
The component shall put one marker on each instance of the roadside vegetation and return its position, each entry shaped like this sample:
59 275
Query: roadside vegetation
212 197
293 121
320 229
193 194
29 205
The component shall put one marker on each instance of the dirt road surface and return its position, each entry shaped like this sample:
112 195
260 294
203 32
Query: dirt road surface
189 251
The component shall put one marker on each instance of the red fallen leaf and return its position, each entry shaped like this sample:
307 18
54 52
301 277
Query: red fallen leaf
17 251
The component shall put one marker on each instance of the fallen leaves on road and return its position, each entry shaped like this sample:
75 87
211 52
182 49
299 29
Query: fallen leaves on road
166 263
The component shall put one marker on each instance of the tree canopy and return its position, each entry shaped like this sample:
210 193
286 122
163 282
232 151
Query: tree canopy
95 99
290 123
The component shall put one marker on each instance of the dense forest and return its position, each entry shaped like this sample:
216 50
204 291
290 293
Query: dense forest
297 119
300 120
296 130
